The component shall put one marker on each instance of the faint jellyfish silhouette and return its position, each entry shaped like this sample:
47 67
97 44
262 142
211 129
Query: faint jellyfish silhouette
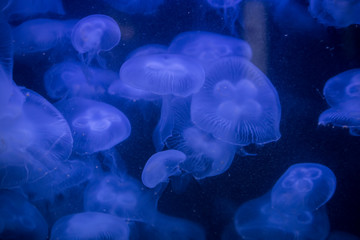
303 187
96 126
148 49
237 104
93 34
208 47
20 219
160 166
90 225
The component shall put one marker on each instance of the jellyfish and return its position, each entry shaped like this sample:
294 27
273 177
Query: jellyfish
90 225
33 142
40 35
341 13
208 47
160 166
20 219
120 196
95 126
148 49
237 104
93 34
145 7
72 79
342 93
303 187
167 75
256 219
19 9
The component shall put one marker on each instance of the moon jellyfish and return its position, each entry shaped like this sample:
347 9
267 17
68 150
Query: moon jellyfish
145 7
93 34
256 219
208 47
237 104
148 49
160 166
71 79
120 196
32 143
95 126
41 35
90 225
342 93
335 13
22 9
303 187
167 75
20 219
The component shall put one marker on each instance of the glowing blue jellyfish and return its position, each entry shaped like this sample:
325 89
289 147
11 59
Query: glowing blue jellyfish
41 35
303 187
145 7
20 219
237 104
256 219
167 75
160 166
72 79
95 126
335 13
120 196
20 9
90 225
93 34
148 49
208 47
342 92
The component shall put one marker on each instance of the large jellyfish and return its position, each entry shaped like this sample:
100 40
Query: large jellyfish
90 225
20 219
145 7
40 35
237 104
338 13
342 93
95 126
208 47
93 34
303 187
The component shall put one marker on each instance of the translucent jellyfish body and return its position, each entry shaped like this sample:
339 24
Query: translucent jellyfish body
20 219
95 126
160 166
148 49
335 13
40 35
93 34
342 92
256 219
145 7
33 142
208 47
90 225
237 104
303 187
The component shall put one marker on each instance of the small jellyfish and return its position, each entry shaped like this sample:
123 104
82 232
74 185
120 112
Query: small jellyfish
208 47
145 7
160 166
17 10
341 13
95 126
20 219
303 187
90 225
93 34
41 35
237 104
256 219
148 49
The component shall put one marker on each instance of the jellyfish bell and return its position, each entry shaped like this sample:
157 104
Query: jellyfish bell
93 34
237 104
148 49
